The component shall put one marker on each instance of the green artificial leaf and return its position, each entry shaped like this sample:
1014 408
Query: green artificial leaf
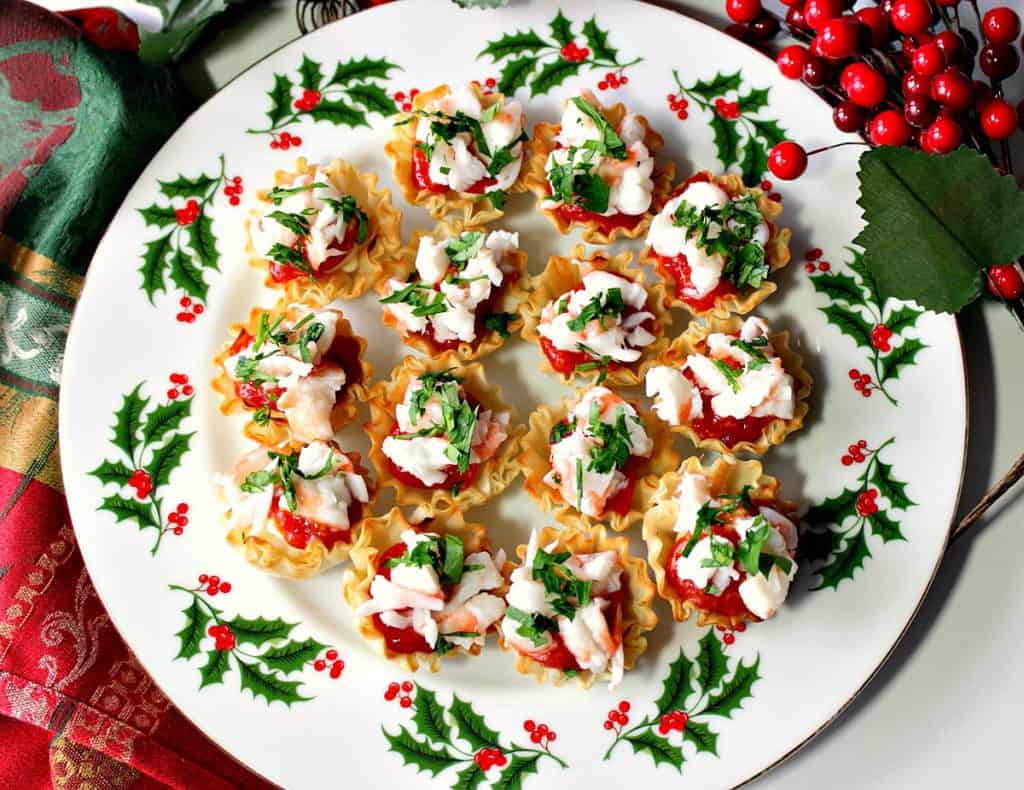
769 131
128 421
734 690
843 562
280 99
597 41
182 22
259 630
339 113
754 161
184 187
700 735
727 139
159 216
517 43
362 69
187 276
212 672
203 242
112 472
888 486
165 417
310 74
292 656
561 29
927 237
839 287
471 776
903 318
885 527
154 262
371 96
552 75
661 751
429 716
191 635
167 458
850 323
753 100
511 777
471 726
901 355
269 685
515 73
834 510
677 685
717 85
418 753
711 663
135 510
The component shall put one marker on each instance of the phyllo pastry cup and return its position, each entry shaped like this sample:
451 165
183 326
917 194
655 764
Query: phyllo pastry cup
730 434
375 586
292 404
588 446
494 318
741 490
479 204
725 298
296 510
597 228
324 248
438 425
611 634
548 301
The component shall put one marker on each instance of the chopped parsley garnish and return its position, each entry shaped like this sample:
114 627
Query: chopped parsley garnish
261 416
750 550
458 418
448 126
721 555
247 368
428 383
614 449
753 350
296 223
488 114
289 256
737 223
504 155
565 592
612 144
424 300
463 248
532 626
444 643
283 474
579 484
709 515
349 210
606 303
561 430
499 322
731 374
277 194
497 198
443 555
573 181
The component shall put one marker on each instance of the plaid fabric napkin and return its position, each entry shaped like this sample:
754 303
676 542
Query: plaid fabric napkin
77 110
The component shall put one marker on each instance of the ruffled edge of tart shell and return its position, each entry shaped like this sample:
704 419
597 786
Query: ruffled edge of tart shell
476 210
726 477
276 430
534 461
561 275
494 474
512 297
536 180
365 264
638 616
777 254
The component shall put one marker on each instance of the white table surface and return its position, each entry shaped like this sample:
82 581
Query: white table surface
945 711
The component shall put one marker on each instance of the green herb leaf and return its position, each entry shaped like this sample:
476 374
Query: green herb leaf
612 144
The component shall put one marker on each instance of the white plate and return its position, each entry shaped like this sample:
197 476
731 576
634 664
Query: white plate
810 660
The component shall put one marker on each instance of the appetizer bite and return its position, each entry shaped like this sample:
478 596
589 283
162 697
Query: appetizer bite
730 385
425 592
324 231
595 316
460 151
295 510
299 371
596 170
585 457
441 436
578 606
715 244
721 542
456 290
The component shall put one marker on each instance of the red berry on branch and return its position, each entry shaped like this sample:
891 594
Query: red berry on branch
764 28
848 117
915 84
928 60
998 120
818 12
911 16
942 136
1020 116
795 18
816 71
1006 281
877 23
863 84
743 10
839 38
1000 25
998 61
889 127
951 45
791 60
787 160
952 89
919 111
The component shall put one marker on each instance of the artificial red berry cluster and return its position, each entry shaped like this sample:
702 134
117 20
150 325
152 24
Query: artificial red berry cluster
284 140
867 502
224 638
178 519
880 337
673 720
141 482
308 100
233 189
405 101
487 87
612 80
679 105
189 310
212 585
862 382
330 657
855 453
575 53
730 110
618 717
405 688
813 262
540 734
486 759
189 213
179 386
